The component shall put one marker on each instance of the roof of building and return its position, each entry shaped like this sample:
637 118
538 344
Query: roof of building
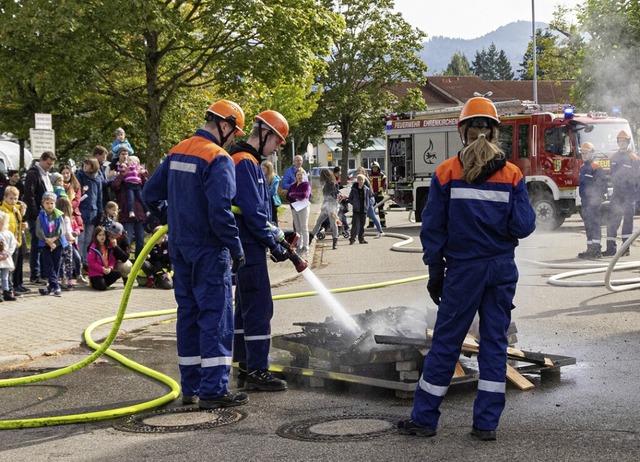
444 91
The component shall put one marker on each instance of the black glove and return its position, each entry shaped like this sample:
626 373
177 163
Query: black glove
237 263
434 286
279 253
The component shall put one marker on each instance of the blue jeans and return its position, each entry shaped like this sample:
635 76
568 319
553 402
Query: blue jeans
135 229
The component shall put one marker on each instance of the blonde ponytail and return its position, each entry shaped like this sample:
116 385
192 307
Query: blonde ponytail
478 153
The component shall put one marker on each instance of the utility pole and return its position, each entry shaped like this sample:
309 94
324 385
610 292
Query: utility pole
534 52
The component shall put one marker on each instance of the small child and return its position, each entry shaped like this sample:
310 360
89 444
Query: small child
7 247
66 270
50 231
58 185
11 206
157 267
120 141
101 261
111 212
18 274
130 167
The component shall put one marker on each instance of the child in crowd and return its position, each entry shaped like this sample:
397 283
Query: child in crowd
10 205
67 268
121 247
120 141
157 268
58 185
359 198
133 172
7 248
50 232
111 212
101 261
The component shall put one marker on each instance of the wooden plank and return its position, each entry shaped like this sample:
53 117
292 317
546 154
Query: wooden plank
518 379
459 371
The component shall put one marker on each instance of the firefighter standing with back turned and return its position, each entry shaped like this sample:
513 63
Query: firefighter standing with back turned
378 182
478 208
593 187
625 174
254 305
197 181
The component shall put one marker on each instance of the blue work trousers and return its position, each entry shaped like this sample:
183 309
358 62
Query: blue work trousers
621 208
486 287
592 222
253 310
202 287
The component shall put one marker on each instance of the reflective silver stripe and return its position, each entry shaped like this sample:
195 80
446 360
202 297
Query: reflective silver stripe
189 360
432 389
182 166
238 331
479 194
493 387
258 337
213 362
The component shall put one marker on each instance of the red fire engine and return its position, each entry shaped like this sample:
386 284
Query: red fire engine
542 141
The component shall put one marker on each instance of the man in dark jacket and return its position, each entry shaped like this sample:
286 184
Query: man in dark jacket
36 184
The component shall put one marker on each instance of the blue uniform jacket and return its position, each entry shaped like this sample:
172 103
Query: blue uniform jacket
197 180
625 173
91 206
593 184
464 221
252 197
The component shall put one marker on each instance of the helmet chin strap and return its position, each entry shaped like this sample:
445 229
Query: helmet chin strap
262 140
223 137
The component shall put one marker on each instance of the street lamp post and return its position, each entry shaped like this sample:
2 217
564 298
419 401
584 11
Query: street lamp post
534 52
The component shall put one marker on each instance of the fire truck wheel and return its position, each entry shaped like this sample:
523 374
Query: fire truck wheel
547 214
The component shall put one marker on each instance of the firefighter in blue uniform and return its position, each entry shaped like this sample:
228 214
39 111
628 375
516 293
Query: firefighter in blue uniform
194 186
477 210
593 187
254 305
625 173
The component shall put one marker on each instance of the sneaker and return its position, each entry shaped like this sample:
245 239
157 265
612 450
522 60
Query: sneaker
264 380
57 293
38 280
409 427
190 399
22 290
483 435
378 236
363 242
132 214
44 291
82 279
228 400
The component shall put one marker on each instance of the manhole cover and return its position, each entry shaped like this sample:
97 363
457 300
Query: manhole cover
349 427
178 419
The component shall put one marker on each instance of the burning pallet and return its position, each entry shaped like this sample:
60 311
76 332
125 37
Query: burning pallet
387 350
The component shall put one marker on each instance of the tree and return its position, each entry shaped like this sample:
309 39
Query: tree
556 59
611 57
459 65
377 49
492 65
153 66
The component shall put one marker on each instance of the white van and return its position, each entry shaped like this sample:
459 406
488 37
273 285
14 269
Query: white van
10 156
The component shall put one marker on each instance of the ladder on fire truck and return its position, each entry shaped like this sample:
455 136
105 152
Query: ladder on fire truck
515 106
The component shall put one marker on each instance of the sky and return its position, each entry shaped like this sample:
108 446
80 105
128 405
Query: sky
469 19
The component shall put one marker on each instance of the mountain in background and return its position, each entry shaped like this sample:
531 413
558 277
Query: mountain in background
512 38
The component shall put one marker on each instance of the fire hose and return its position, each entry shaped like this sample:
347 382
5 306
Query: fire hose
104 348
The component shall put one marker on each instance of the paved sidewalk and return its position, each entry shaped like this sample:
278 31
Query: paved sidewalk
36 325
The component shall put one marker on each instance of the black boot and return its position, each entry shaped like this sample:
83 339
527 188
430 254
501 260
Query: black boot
611 250
593 252
335 243
264 380
7 296
311 236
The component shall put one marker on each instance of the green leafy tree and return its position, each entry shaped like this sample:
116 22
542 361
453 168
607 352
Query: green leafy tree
377 50
611 57
491 64
153 66
459 65
557 58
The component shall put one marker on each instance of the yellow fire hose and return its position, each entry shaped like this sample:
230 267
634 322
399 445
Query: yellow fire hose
103 348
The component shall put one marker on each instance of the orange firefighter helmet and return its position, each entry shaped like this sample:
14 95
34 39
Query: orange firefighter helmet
275 122
624 135
586 146
478 106
230 112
